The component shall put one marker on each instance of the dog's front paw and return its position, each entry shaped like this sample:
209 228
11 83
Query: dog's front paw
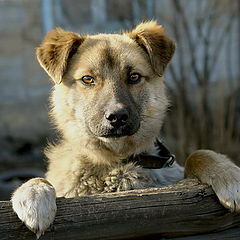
126 177
35 204
227 188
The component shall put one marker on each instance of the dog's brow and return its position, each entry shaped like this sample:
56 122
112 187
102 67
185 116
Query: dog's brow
128 69
107 57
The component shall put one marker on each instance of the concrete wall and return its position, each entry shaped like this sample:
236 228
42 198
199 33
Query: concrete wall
24 87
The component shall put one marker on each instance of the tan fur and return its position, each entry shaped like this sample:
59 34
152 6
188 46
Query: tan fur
154 40
85 161
55 50
219 172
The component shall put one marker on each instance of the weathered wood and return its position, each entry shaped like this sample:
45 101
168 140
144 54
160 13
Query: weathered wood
184 209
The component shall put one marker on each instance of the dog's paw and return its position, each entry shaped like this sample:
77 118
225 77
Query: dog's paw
35 204
126 177
227 188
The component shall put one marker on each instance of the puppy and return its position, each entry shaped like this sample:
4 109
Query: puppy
108 103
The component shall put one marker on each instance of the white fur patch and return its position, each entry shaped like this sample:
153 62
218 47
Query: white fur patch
35 204
227 188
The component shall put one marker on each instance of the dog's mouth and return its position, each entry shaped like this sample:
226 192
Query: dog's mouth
115 135
115 132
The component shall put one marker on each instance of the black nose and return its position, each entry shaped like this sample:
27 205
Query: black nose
118 118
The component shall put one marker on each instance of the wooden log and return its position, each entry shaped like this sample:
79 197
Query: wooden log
184 209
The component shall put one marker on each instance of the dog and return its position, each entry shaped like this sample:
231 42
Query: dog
109 103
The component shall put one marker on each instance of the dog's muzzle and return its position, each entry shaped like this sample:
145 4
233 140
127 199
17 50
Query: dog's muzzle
118 119
119 124
115 124
118 131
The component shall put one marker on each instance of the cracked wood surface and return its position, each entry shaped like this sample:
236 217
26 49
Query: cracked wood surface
184 209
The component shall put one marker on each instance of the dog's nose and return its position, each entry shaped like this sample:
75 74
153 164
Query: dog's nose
118 118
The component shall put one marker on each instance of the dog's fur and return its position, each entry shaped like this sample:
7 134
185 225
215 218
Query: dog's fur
89 157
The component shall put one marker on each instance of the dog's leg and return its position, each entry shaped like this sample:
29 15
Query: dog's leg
219 172
35 204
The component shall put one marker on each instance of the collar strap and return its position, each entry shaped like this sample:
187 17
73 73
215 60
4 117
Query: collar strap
163 158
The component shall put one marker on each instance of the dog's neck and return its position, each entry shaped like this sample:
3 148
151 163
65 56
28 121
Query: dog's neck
161 159
156 156
108 151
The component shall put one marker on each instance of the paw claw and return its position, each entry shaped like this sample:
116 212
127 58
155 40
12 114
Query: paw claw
38 235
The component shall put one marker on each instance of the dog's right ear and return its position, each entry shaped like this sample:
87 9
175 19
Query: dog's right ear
151 37
56 50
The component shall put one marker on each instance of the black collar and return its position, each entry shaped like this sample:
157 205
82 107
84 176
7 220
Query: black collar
163 158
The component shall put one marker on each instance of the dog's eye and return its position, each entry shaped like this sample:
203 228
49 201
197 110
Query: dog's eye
88 80
134 78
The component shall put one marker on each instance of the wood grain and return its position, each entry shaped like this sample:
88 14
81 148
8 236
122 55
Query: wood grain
184 209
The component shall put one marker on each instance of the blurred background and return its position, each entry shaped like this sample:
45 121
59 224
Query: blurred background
203 80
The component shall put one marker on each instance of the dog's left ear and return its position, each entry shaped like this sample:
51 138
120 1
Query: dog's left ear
56 50
152 38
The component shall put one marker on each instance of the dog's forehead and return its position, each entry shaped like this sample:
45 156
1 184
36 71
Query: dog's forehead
118 43
110 51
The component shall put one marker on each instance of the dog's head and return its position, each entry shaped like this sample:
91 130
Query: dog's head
109 86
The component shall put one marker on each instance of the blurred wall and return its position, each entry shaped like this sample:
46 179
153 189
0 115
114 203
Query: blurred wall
23 85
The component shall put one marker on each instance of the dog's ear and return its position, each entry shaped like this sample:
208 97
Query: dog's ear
56 50
152 38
